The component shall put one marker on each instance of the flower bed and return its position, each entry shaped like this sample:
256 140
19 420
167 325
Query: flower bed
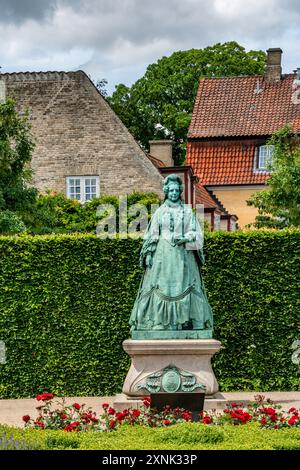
76 417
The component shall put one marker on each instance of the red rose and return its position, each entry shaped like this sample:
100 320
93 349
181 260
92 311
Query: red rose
72 427
207 420
74 424
275 426
26 418
269 411
292 409
146 401
263 421
112 423
41 425
38 397
187 416
76 406
63 416
136 413
292 420
46 396
105 406
111 411
166 422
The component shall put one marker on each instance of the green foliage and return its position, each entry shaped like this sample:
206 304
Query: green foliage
160 103
279 204
66 300
11 223
180 437
189 434
16 147
252 279
9 442
55 213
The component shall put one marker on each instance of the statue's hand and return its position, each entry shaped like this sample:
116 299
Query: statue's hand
181 241
149 260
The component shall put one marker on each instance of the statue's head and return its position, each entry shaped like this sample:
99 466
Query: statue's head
173 188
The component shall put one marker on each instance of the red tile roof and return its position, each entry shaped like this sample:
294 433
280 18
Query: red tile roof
204 197
244 106
224 162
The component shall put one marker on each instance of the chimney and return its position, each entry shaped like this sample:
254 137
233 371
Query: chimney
162 149
273 70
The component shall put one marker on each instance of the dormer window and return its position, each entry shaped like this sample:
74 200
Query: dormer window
263 157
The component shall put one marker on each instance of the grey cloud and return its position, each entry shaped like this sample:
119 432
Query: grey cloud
17 11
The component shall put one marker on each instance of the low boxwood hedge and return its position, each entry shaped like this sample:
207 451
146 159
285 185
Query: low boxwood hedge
184 436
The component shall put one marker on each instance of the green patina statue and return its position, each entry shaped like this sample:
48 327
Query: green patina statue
172 302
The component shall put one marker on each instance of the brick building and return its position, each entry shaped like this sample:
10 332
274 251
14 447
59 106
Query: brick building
233 118
82 147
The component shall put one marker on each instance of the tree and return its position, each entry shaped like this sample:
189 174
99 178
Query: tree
17 198
279 204
101 86
159 105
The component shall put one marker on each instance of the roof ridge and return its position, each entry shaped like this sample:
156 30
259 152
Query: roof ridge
48 75
227 77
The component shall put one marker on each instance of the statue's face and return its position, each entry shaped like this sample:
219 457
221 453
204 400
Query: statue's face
173 193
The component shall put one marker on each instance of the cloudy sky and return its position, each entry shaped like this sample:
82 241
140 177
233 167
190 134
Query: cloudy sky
117 39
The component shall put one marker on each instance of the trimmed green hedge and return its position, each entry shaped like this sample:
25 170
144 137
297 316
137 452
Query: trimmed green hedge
65 302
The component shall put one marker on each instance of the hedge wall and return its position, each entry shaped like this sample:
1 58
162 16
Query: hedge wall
65 302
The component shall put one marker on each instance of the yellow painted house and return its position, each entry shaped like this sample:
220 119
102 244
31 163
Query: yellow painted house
232 120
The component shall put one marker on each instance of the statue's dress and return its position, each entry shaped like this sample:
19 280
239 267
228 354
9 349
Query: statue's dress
171 292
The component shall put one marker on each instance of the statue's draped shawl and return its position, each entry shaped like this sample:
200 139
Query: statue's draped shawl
172 291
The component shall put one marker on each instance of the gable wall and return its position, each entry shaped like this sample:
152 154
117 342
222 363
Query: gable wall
77 133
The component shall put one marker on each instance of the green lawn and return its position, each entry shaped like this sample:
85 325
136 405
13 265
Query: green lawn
185 436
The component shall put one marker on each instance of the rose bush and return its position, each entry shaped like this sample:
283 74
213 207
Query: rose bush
76 417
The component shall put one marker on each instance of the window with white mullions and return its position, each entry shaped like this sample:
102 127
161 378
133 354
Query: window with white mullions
90 188
74 188
264 156
82 188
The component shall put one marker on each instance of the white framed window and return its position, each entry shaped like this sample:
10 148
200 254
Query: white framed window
263 158
83 188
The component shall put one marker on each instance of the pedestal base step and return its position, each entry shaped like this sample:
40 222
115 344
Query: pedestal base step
178 334
122 402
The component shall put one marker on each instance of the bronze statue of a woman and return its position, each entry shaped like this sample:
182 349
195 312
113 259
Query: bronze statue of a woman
172 302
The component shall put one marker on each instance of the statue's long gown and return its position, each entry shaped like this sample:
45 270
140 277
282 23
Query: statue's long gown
171 292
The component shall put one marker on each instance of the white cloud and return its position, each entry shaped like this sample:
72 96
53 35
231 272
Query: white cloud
117 39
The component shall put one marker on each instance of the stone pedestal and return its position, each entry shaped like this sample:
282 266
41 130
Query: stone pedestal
174 365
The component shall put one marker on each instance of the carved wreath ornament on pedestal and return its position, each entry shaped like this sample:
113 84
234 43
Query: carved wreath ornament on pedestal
171 380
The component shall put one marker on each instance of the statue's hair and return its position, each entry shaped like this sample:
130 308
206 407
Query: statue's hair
172 179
